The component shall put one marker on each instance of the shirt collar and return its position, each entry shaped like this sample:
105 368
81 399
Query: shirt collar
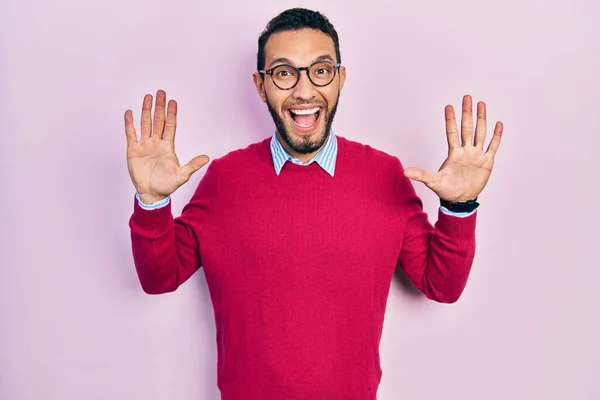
325 157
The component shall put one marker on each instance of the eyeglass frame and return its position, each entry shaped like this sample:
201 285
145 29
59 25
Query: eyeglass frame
336 67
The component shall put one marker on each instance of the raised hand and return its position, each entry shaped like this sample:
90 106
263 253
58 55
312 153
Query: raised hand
153 166
466 171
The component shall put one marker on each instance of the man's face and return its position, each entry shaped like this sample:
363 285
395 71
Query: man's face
303 132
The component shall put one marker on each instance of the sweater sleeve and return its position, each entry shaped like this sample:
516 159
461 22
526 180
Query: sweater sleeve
166 250
436 258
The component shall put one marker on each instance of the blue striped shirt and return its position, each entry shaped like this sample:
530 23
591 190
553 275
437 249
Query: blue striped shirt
326 159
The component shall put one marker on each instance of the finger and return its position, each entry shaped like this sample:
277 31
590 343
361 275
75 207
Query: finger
194 165
159 113
495 142
451 128
419 175
480 129
130 128
466 121
146 122
171 124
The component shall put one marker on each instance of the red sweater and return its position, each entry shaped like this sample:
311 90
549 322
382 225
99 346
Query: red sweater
299 266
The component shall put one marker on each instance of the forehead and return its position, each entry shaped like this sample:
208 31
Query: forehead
300 47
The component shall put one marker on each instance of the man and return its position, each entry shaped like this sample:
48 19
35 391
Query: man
299 234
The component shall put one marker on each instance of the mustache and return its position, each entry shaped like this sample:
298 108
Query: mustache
305 103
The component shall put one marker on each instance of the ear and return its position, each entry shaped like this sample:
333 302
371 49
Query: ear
342 76
260 86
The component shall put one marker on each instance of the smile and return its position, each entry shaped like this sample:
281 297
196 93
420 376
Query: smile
305 119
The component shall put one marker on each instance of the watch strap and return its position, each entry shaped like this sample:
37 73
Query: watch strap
460 206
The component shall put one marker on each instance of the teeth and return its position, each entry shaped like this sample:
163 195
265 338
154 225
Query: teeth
305 112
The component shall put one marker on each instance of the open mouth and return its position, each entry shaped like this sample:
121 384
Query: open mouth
305 120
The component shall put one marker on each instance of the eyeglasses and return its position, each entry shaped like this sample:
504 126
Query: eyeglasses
286 76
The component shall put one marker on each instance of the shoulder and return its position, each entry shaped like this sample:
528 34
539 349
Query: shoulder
368 156
254 154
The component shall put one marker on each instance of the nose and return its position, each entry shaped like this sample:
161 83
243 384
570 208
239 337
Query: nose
304 89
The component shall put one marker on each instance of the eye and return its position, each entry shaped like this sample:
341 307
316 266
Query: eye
284 72
322 69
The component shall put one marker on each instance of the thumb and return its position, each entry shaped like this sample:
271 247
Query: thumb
185 172
418 174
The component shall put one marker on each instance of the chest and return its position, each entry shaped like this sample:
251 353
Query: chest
302 236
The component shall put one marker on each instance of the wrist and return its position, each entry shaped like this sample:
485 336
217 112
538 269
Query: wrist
460 206
149 199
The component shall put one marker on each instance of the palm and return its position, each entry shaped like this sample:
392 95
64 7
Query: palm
466 171
153 166
151 160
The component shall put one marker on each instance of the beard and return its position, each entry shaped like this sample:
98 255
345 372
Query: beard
305 145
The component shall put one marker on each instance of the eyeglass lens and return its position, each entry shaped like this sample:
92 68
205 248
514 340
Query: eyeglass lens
321 74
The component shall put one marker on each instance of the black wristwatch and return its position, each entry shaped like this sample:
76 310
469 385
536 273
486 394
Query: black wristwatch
460 206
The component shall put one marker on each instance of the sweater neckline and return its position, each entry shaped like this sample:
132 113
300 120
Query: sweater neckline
312 167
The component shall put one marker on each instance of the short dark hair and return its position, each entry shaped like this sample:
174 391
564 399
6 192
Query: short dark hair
295 19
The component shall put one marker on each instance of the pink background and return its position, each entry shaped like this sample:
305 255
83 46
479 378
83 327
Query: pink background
74 322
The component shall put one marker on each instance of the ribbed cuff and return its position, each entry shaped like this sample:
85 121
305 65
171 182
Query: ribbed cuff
457 227
150 222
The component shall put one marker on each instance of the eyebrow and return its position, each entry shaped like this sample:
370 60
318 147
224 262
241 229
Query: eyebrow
283 60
